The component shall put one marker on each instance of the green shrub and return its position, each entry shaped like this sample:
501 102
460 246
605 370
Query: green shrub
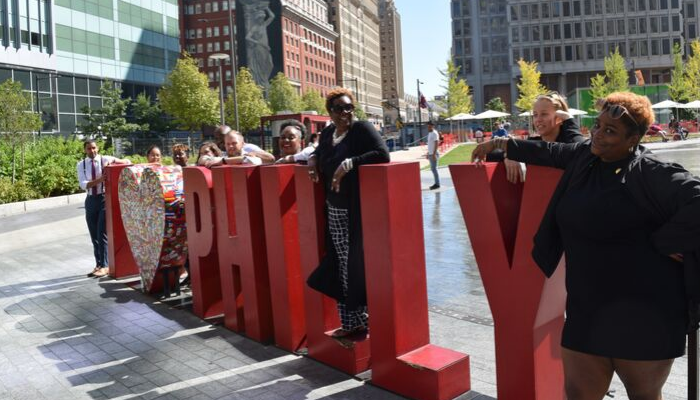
139 159
20 191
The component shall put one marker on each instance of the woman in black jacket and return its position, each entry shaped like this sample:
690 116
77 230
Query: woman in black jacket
344 146
629 227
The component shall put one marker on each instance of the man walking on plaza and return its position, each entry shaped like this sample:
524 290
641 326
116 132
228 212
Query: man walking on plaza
433 155
92 180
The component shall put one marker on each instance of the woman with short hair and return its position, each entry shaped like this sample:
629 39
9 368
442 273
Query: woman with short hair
628 225
344 146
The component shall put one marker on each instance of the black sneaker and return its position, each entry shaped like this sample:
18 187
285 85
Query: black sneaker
435 186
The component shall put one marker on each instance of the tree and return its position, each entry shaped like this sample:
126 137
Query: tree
692 70
282 96
360 114
110 120
529 86
187 97
615 78
251 103
457 97
313 101
495 104
148 115
678 88
17 121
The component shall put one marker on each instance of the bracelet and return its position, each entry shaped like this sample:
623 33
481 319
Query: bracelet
347 164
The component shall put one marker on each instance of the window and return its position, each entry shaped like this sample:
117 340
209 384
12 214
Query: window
567 31
666 46
216 30
641 5
632 26
577 8
655 47
207 7
690 10
568 53
577 30
545 10
632 5
557 32
643 48
217 46
610 27
599 28
215 6
664 24
208 32
676 23
654 25
225 29
199 33
546 32
642 25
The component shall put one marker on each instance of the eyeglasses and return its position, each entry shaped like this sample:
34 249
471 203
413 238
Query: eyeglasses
616 111
339 108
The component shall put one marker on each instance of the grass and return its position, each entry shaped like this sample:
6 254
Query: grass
458 154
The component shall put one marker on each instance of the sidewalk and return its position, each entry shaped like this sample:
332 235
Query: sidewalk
65 336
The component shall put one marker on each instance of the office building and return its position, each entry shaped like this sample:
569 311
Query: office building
569 40
62 51
358 65
392 61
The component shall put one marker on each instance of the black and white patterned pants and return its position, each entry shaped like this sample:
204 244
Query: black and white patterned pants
338 224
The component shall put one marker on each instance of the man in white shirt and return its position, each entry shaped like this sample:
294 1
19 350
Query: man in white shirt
433 155
92 180
291 132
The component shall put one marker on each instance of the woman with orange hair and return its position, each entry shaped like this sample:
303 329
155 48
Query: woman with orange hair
628 225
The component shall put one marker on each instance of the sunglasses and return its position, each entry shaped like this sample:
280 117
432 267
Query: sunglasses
339 108
616 111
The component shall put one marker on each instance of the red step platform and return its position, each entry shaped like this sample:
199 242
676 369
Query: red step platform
350 355
403 360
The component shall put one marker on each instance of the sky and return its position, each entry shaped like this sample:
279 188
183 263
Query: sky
426 37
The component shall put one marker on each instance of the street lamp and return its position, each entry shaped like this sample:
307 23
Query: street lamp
219 57
234 60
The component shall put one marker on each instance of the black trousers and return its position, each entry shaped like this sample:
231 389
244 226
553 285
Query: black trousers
97 225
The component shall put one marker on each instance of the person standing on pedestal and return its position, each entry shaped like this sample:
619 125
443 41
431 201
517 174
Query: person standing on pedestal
92 180
344 146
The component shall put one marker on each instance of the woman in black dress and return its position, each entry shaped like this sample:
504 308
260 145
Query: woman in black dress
629 226
344 146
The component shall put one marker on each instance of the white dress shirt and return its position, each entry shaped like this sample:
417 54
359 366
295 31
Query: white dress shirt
84 168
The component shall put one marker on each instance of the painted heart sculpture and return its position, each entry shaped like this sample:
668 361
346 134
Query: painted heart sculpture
153 210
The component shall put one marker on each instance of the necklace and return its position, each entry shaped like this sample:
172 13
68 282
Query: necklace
338 138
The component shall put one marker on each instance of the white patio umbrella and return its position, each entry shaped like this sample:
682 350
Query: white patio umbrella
459 118
525 114
490 115
666 104
693 104
575 111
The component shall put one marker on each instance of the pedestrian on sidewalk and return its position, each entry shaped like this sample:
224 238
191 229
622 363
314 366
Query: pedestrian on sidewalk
628 225
92 180
343 148
433 154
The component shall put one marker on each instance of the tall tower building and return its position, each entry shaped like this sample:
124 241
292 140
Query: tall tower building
569 40
62 51
358 52
480 48
392 60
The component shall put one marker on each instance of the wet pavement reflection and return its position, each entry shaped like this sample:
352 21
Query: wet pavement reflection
454 283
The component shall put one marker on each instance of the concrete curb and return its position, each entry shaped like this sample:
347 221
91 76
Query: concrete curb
40 204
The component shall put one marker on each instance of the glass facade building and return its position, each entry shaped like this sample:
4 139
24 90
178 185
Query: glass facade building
62 51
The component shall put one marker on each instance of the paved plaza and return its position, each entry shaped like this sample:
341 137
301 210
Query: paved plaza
65 336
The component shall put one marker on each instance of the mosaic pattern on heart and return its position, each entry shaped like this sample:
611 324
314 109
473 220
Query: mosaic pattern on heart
153 210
